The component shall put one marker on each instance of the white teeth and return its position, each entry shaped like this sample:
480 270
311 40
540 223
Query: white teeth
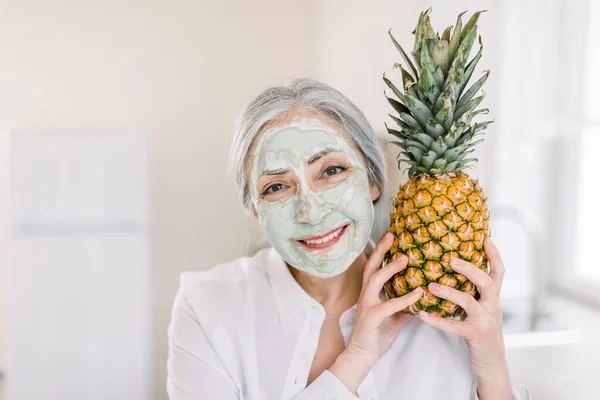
326 238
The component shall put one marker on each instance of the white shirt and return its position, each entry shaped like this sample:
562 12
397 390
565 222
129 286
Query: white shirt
246 329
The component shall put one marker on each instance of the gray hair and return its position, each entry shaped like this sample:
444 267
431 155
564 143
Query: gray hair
307 94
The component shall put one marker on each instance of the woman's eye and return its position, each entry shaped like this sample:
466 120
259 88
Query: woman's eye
274 188
335 170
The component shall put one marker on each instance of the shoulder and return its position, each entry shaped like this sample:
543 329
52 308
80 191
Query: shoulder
227 287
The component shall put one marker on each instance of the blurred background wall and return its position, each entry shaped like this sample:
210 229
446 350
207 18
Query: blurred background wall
178 71
181 71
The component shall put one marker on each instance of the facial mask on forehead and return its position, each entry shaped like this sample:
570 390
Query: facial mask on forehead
341 212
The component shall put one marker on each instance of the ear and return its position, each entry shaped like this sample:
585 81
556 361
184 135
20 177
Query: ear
375 193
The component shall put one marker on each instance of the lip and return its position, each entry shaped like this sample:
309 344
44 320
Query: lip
325 234
326 244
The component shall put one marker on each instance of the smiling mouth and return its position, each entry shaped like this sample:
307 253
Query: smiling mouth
325 240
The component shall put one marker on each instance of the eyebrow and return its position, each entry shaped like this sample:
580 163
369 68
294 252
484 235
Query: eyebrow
314 158
319 154
278 171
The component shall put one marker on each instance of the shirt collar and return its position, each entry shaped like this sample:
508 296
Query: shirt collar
290 298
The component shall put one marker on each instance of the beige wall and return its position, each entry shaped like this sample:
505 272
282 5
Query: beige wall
4 256
178 70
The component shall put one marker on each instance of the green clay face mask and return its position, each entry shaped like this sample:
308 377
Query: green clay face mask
312 197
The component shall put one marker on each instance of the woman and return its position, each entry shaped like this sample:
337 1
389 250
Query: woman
307 317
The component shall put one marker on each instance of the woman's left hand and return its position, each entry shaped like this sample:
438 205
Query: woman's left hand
482 326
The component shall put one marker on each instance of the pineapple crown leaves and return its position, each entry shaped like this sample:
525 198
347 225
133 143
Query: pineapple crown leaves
434 108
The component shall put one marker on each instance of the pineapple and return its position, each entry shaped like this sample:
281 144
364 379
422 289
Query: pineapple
440 212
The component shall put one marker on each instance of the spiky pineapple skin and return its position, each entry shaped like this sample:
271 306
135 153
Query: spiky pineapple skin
436 218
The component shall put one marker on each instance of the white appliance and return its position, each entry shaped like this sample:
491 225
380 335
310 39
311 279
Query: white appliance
75 269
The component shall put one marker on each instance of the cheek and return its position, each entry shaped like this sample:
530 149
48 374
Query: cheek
277 219
351 197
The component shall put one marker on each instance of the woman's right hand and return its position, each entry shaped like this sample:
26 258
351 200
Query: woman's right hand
378 320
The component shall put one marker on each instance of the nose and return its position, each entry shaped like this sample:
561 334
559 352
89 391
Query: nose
310 208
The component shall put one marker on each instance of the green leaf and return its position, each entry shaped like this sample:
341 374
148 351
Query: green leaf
399 107
472 90
416 152
471 145
469 71
418 109
423 138
398 134
428 30
428 159
470 24
426 60
473 131
426 80
439 146
464 163
399 144
439 163
466 137
446 115
455 40
416 92
448 93
399 122
480 111
434 129
412 171
417 144
409 156
439 78
405 57
452 167
478 127
470 105
418 39
407 79
446 34
396 91
428 86
458 64
453 134
408 120
440 53
452 154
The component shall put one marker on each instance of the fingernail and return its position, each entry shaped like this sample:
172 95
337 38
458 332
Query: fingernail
424 314
455 262
434 286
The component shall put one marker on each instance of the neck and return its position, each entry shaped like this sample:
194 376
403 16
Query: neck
337 293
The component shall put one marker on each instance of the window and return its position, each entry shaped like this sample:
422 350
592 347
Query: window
586 240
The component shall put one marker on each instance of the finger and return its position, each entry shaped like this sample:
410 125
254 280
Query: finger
483 281
377 280
465 300
451 325
392 306
496 265
374 262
